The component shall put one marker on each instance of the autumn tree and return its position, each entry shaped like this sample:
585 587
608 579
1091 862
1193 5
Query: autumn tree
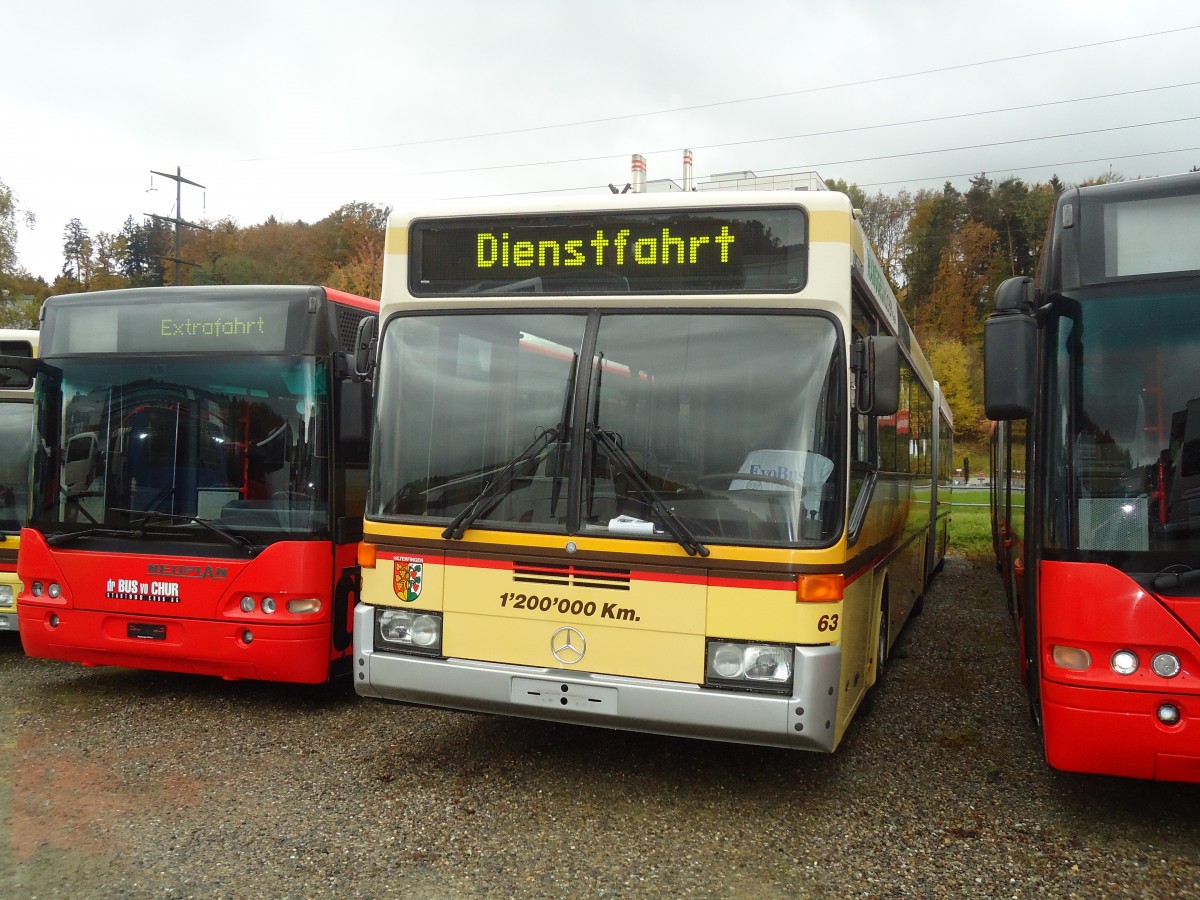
956 365
220 249
935 220
287 252
958 297
350 227
359 231
363 274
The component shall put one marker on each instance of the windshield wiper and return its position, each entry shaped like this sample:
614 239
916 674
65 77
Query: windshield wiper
234 540
65 537
1167 580
493 490
564 430
670 519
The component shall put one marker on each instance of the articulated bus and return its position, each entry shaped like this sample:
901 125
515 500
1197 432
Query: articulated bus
1092 370
16 449
658 462
199 478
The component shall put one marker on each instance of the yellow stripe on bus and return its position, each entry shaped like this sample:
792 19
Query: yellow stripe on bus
829 225
396 240
388 533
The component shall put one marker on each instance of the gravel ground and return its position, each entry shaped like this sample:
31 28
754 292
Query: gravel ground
129 784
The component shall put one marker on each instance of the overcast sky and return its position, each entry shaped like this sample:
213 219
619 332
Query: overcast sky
293 109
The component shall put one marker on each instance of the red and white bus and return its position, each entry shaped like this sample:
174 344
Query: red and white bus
1093 371
199 481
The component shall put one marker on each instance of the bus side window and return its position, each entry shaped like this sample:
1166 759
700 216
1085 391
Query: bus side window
863 459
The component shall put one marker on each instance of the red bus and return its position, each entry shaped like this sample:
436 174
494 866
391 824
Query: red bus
1092 370
199 480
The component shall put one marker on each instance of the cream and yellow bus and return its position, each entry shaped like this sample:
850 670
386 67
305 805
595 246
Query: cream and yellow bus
16 450
660 462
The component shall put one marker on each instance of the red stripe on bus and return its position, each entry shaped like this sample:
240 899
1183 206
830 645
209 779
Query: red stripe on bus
758 584
365 303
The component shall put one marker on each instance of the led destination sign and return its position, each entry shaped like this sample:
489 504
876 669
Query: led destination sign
152 327
678 251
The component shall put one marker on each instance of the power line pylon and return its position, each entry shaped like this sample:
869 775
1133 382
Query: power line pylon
179 222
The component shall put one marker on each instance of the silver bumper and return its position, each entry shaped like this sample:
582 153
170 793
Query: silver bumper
807 720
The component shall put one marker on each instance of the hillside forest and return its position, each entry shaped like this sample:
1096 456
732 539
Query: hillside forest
944 252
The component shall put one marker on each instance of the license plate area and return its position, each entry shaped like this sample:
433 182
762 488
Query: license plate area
144 631
547 692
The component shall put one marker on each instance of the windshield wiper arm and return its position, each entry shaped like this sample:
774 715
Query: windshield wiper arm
671 521
234 540
1166 580
65 537
564 430
492 491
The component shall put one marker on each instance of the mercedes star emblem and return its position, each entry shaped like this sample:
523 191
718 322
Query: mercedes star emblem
568 645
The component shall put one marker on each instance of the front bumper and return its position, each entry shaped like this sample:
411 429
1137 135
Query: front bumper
806 720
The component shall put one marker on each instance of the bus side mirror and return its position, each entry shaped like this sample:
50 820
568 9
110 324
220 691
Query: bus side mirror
17 371
1009 352
364 348
877 369
354 419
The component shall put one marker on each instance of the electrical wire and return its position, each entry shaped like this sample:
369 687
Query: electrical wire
719 103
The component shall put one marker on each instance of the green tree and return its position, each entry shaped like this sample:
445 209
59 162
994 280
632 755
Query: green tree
884 221
77 253
140 249
858 198
10 216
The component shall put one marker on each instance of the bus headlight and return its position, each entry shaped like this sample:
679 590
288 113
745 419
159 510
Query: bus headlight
750 666
1124 662
412 631
1165 665
6 596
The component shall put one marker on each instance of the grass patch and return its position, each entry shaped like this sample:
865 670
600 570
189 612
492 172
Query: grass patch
971 526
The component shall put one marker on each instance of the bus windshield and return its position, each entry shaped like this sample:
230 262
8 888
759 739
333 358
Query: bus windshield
16 437
183 444
1125 425
725 433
